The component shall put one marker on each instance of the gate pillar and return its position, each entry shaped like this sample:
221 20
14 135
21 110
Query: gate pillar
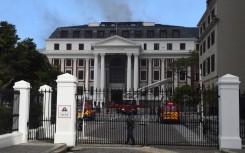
229 131
24 105
66 110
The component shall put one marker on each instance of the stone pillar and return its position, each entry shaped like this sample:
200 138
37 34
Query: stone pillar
189 74
96 65
62 65
102 79
66 110
129 75
163 71
150 71
74 67
136 71
47 92
87 74
229 125
24 106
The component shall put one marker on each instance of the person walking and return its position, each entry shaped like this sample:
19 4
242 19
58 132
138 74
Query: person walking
130 128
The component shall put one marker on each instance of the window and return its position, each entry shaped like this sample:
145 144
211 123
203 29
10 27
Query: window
156 75
156 46
88 34
80 62
56 46
91 90
145 46
125 34
112 33
80 75
212 37
68 71
76 34
213 63
150 34
92 62
68 46
143 63
213 13
208 65
169 74
182 46
201 49
204 46
100 34
137 34
68 62
156 62
204 68
208 42
163 33
176 34
92 75
169 46
81 46
209 19
143 75
80 90
63 34
197 46
182 76
56 62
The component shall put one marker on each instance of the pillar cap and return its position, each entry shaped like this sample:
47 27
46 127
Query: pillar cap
22 84
66 78
45 88
228 79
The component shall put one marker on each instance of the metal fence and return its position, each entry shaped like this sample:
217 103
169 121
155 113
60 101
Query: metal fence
242 117
105 115
9 111
42 117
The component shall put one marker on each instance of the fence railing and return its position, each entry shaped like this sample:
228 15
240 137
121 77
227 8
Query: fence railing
242 117
9 111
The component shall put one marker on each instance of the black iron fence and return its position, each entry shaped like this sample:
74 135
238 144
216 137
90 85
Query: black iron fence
42 115
9 111
195 122
242 117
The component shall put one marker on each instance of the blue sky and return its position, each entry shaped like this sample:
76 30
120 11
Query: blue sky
37 19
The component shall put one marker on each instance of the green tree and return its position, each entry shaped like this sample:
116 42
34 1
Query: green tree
21 61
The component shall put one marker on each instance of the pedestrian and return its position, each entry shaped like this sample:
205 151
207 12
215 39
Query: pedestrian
130 128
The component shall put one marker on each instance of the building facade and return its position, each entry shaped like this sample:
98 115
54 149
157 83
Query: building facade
121 55
221 38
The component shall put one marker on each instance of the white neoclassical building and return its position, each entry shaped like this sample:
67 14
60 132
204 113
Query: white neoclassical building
120 55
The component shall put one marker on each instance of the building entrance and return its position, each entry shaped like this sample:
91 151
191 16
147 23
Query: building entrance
116 96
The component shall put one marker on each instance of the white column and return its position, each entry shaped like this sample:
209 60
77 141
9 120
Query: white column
66 110
136 71
75 67
87 74
163 72
229 125
102 79
62 64
189 75
47 92
96 65
129 75
149 71
24 106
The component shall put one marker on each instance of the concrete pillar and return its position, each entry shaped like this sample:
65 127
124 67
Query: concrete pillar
87 74
136 71
74 67
62 65
189 74
150 71
129 75
24 106
66 110
229 125
96 65
102 82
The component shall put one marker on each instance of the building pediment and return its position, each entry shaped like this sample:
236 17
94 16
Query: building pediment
115 41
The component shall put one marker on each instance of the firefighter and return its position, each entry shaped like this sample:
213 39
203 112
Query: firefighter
130 128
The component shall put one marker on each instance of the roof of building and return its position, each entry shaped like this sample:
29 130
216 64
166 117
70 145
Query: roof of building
125 29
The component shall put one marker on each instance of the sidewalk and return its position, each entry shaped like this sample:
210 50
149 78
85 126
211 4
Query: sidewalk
41 147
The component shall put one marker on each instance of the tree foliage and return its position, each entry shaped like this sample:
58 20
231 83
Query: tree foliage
21 61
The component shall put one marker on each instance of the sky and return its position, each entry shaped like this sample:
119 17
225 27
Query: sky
37 19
